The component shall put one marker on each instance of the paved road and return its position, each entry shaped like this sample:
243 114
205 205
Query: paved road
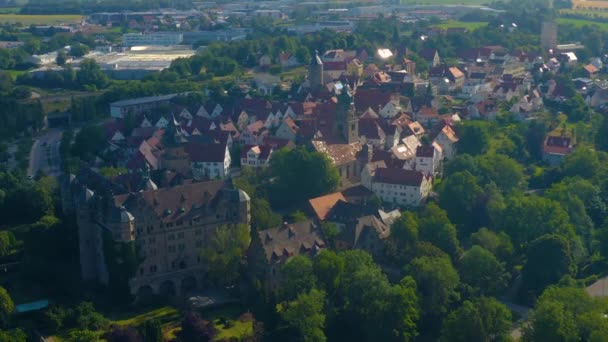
44 155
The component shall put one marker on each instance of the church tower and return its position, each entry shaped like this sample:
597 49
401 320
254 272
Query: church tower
315 72
347 123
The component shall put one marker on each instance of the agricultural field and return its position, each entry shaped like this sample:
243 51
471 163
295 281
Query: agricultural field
474 25
582 22
27 19
444 2
586 12
584 4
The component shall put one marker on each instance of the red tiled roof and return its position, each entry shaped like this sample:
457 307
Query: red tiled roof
323 204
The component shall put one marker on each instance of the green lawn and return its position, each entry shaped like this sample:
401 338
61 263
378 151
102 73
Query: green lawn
239 330
582 22
165 315
4 10
27 19
471 26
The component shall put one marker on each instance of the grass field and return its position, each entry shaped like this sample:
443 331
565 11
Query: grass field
9 9
582 22
39 19
458 24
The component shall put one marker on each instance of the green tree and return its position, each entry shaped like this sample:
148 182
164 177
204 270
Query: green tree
435 227
601 139
474 137
437 281
61 58
583 162
480 269
548 259
299 175
225 252
152 331
15 335
88 142
6 82
459 196
85 336
498 243
526 218
328 268
567 314
481 320
505 172
262 216
305 315
298 277
90 74
7 240
7 307
401 243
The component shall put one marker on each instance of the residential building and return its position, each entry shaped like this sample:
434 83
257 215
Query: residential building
272 248
401 187
209 161
556 148
361 227
256 155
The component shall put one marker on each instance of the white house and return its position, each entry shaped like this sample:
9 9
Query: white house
209 161
256 155
162 122
428 159
401 187
288 130
446 138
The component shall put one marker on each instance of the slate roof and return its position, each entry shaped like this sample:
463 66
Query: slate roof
182 202
398 176
210 153
302 238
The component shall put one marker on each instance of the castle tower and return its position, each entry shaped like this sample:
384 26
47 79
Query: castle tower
315 72
347 123
548 35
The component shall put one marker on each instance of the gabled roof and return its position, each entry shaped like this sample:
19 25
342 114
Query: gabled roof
281 243
322 205
182 202
398 177
262 151
210 153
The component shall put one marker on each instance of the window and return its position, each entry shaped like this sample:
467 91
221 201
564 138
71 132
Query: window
181 246
197 232
171 248
153 268
171 237
199 243
169 225
180 235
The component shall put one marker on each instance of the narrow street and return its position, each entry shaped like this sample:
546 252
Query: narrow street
44 155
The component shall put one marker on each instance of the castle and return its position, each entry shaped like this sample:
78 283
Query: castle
149 241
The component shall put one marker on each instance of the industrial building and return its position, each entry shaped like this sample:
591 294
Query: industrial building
156 38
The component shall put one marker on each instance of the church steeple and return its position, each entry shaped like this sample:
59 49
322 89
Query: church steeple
315 71
347 122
